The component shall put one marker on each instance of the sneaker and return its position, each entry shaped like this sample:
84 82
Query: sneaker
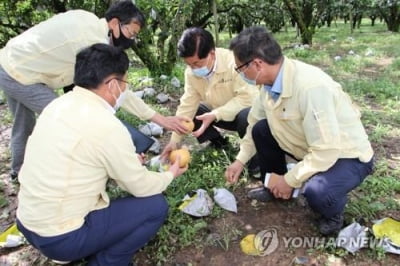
261 194
332 225
60 262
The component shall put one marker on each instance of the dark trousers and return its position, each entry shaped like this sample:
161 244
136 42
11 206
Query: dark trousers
326 192
141 141
239 124
109 236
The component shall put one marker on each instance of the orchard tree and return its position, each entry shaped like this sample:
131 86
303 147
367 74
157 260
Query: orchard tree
390 12
157 43
307 14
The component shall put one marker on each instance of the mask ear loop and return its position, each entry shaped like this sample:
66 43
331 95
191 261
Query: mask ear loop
119 87
109 89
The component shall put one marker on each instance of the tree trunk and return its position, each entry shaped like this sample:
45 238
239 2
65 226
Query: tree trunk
372 20
306 37
162 61
216 24
391 16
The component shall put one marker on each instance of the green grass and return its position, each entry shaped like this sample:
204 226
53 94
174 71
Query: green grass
3 200
181 230
376 194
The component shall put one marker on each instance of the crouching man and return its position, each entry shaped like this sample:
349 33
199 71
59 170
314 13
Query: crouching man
76 147
301 112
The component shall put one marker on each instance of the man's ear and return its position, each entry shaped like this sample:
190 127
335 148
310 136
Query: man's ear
259 63
113 25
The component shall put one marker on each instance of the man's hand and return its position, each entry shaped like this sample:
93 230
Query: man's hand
233 172
281 189
142 158
173 123
207 119
175 169
167 150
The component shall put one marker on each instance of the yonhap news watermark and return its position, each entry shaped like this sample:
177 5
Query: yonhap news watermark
268 241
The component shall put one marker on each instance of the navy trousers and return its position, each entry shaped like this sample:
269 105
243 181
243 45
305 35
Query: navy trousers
326 192
108 237
239 124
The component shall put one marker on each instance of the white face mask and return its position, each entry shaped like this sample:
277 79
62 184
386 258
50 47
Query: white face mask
247 80
202 71
121 97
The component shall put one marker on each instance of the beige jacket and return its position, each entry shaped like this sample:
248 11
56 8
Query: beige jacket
225 93
46 52
313 119
76 146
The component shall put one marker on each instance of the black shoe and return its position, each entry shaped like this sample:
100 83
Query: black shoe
253 167
13 176
219 143
332 225
261 194
254 171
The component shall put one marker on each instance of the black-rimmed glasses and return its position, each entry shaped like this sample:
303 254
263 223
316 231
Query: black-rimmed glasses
108 81
133 34
237 69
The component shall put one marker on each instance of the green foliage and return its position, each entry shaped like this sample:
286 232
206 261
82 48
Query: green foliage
206 172
3 200
377 253
390 11
367 201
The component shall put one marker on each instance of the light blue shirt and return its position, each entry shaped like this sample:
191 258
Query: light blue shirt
276 89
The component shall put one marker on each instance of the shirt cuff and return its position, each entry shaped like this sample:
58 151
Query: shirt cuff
292 181
217 115
243 157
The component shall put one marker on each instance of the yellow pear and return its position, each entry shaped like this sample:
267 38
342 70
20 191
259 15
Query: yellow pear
247 245
183 154
189 125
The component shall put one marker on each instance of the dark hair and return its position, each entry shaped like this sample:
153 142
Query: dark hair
97 62
256 42
126 12
195 41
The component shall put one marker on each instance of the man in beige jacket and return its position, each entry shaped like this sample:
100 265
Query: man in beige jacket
41 59
76 147
215 95
303 113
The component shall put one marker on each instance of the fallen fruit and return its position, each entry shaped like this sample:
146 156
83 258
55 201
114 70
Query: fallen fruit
189 125
183 154
247 245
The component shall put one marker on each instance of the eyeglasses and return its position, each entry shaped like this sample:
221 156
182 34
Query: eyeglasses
237 69
133 34
124 81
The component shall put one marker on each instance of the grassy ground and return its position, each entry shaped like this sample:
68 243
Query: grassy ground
367 64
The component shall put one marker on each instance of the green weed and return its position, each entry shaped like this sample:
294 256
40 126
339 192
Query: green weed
181 230
376 193
3 200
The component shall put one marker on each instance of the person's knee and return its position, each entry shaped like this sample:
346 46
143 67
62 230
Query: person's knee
322 201
242 116
258 129
160 206
317 197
